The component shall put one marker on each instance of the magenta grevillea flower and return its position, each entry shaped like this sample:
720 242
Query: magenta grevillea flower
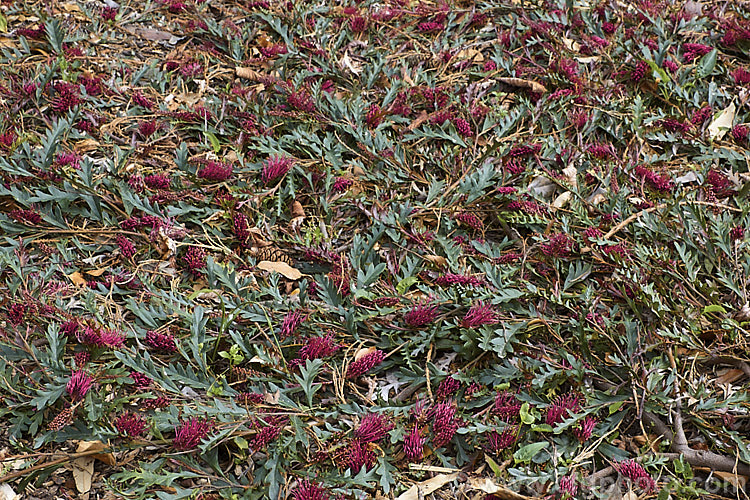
561 408
373 428
78 385
127 248
654 180
499 441
741 76
66 96
447 387
81 358
99 338
358 24
310 490
421 315
567 487
463 127
268 433
470 220
157 181
25 216
585 428
414 444
139 379
637 474
215 171
341 184
444 423
147 128
130 424
316 348
194 260
450 279
692 51
241 229
189 433
365 364
161 342
640 70
740 132
359 455
290 323
247 398
275 167
111 338
506 406
374 116
479 314
154 403
558 245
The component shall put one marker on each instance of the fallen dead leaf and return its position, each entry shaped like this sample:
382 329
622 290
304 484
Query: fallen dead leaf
562 200
571 44
151 34
436 260
692 8
487 485
258 239
353 65
419 490
432 468
263 39
722 122
87 145
165 245
571 175
248 73
730 376
542 186
298 216
77 279
737 481
97 272
297 209
471 54
70 7
272 398
83 472
7 492
106 457
527 84
280 267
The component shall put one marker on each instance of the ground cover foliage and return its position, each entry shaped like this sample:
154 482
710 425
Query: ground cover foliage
334 250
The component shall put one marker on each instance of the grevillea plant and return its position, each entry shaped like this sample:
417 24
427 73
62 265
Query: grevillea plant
338 250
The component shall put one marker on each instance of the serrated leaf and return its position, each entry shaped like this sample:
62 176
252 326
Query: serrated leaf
55 35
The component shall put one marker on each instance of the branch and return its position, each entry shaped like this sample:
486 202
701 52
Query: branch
696 458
